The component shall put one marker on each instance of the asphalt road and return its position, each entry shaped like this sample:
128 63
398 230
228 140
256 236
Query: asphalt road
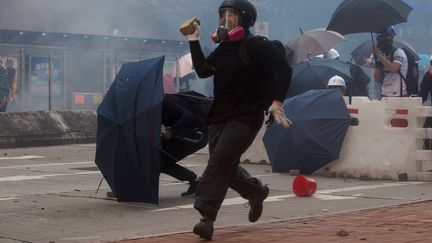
49 194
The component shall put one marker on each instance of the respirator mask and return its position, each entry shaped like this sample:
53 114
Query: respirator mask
230 28
385 44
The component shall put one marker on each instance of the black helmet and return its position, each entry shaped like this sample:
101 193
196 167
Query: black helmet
246 9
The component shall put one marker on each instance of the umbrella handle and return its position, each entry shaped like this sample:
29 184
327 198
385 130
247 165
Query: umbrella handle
270 120
200 134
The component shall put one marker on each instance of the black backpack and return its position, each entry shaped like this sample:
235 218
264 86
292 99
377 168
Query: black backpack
198 103
244 56
412 77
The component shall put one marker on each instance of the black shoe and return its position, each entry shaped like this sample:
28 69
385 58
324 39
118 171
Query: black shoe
256 205
191 190
204 229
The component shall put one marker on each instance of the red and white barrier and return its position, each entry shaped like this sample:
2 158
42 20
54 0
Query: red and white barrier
387 143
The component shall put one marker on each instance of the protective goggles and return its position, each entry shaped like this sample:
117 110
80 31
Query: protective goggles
229 18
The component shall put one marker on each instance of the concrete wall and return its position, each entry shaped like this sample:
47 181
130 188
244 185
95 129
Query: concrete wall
41 128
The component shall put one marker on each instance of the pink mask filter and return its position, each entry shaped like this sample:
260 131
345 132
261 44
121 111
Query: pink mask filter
221 34
236 34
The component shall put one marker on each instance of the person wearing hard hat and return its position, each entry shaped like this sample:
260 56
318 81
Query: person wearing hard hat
332 54
357 85
337 82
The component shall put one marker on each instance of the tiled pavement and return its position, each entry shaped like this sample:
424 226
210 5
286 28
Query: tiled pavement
402 223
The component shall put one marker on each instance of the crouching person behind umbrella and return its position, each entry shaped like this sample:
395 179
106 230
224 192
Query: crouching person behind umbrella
237 112
184 132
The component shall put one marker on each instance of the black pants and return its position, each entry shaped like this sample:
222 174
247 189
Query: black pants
174 150
227 142
426 87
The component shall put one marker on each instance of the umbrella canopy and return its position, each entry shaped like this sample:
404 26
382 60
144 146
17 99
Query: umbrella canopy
313 42
424 61
356 16
314 74
362 54
128 131
320 122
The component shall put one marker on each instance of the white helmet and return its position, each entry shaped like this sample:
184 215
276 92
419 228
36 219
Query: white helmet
332 54
336 81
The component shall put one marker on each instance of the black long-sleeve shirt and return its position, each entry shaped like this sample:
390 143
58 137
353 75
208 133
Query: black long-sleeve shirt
237 91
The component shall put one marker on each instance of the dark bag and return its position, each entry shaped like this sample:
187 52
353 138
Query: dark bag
244 56
412 77
197 102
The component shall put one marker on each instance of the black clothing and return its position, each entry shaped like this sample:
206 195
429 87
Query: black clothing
181 117
236 90
426 86
236 115
227 142
425 90
183 121
360 81
174 150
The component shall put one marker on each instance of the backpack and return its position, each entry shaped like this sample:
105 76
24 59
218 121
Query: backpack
412 77
198 103
244 56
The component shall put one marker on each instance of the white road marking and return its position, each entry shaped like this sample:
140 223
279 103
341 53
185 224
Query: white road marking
366 187
51 164
321 194
81 238
7 198
87 145
23 157
40 177
331 197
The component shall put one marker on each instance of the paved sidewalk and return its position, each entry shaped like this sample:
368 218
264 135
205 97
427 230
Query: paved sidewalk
402 223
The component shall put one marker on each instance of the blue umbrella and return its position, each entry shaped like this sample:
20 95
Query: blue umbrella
128 131
424 61
314 74
320 123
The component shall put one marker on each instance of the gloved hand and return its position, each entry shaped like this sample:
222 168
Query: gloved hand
276 110
166 134
195 36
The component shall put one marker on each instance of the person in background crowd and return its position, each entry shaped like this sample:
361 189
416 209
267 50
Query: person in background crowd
337 82
357 85
391 64
12 79
4 87
426 83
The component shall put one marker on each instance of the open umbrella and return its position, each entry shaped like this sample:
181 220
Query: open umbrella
424 61
362 53
128 131
313 42
320 122
314 74
357 16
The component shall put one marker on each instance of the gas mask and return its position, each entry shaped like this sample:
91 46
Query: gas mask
230 28
385 44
